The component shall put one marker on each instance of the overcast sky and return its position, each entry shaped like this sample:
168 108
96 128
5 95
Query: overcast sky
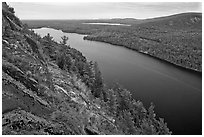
101 10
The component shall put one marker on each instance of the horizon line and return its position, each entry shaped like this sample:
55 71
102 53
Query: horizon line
121 17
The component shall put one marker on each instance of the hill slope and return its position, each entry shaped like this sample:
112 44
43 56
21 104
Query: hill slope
176 39
50 88
185 21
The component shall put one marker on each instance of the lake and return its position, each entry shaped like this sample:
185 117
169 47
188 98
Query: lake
176 93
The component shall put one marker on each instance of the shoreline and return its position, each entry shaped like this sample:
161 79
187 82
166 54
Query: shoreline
163 60
197 72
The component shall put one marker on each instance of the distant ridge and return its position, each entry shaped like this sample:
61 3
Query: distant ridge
179 21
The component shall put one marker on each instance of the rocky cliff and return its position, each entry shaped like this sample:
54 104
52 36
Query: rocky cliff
50 88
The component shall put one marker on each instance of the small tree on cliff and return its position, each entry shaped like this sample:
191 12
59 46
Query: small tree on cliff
48 37
98 81
64 40
49 48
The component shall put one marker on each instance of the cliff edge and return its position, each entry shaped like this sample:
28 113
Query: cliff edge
50 89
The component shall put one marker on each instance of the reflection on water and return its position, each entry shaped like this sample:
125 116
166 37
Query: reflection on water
176 93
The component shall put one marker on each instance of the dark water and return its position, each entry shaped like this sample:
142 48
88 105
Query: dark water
176 93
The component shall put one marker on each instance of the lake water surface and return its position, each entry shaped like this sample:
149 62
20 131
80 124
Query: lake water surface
176 93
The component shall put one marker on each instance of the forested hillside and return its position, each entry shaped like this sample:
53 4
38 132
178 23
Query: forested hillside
176 39
49 88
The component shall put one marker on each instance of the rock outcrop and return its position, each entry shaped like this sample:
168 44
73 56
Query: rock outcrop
40 97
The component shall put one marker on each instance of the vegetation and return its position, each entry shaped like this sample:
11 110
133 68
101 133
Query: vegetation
176 39
51 89
64 40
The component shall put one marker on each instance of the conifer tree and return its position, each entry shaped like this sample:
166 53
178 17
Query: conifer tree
98 83
48 37
64 40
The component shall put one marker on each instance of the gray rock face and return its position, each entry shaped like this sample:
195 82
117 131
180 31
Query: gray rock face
38 97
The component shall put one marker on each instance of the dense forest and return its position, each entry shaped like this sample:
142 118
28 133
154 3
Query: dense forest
176 39
49 88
